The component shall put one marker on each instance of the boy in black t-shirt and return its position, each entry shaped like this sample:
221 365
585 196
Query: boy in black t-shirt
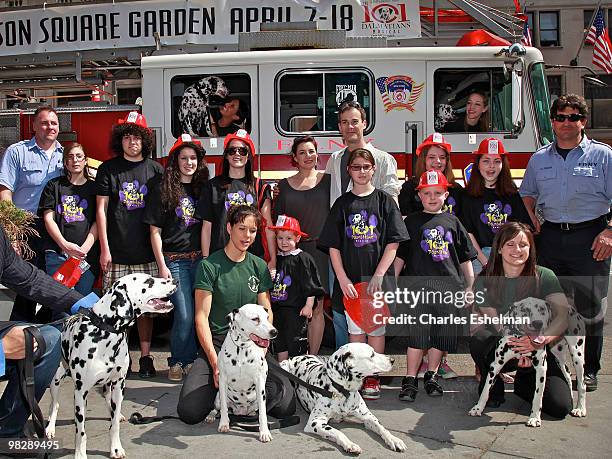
123 184
439 246
296 286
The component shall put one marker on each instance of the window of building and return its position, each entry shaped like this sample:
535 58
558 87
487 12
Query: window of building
599 100
308 101
210 105
488 91
549 28
555 86
128 96
588 15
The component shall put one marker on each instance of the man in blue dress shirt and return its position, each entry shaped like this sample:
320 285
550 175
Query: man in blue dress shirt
571 181
25 169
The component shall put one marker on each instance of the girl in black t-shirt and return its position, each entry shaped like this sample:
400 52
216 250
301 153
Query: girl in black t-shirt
175 238
491 199
362 233
236 185
67 206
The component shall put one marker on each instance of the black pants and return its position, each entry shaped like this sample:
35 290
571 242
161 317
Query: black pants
569 255
198 393
557 399
291 331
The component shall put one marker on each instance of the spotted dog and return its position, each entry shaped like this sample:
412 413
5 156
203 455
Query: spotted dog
444 114
342 372
243 368
194 114
95 351
539 315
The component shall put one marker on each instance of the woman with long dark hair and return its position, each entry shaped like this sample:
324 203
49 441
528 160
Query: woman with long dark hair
175 238
476 116
305 196
512 275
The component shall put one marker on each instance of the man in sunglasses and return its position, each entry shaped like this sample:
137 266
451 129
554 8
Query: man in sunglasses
351 124
571 181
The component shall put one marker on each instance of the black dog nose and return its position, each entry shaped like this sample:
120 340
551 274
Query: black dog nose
273 333
537 324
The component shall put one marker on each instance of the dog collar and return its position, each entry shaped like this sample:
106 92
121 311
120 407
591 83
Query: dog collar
339 388
97 321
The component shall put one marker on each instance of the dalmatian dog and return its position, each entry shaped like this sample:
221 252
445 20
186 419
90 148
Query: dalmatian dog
243 368
344 369
385 13
539 315
95 351
194 114
444 114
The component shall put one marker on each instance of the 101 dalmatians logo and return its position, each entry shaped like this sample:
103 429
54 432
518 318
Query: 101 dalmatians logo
238 198
71 208
495 215
450 205
362 229
186 209
281 284
132 195
436 242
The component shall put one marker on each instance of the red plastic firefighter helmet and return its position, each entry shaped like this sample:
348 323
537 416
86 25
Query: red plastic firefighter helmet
242 135
436 139
432 178
491 146
286 223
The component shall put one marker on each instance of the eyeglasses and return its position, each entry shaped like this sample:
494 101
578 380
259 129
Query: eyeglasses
363 167
242 151
573 117
75 157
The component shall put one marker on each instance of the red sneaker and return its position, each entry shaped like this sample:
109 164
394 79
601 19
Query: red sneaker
370 390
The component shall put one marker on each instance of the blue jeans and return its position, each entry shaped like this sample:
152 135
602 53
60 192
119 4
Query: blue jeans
13 411
340 329
476 264
183 343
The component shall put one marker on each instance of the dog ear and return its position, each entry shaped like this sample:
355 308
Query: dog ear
347 359
232 315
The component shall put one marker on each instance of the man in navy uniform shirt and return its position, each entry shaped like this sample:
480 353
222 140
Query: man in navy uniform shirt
571 181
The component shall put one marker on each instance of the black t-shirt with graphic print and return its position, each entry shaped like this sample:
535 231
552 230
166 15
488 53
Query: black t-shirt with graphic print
75 213
360 227
296 279
127 185
180 231
485 215
410 202
438 245
217 198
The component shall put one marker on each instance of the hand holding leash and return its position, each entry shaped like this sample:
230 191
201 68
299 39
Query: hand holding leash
87 302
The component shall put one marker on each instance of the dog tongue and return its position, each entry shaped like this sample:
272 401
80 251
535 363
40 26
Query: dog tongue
261 342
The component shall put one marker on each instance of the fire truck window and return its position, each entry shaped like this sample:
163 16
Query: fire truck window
471 100
210 105
309 101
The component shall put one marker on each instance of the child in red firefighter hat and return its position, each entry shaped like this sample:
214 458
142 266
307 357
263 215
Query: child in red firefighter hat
296 287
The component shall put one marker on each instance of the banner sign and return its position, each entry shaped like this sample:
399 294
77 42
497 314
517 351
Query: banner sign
133 24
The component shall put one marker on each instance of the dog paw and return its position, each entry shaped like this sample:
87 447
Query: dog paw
352 448
50 432
579 412
395 444
475 411
533 422
265 436
210 418
223 427
117 453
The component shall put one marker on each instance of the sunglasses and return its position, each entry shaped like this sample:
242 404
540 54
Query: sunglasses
242 151
364 167
573 117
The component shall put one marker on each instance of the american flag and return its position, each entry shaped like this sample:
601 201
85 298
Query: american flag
602 48
382 87
526 37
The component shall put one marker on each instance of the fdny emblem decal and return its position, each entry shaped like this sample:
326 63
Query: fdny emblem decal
399 92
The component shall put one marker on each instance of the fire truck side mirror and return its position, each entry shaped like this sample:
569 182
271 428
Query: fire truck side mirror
517 97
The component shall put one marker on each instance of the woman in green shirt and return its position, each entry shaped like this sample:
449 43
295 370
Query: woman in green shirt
512 275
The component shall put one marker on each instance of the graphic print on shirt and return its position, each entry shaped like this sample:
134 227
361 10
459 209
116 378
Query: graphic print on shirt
435 242
450 205
279 290
362 229
132 195
72 208
495 215
238 198
186 209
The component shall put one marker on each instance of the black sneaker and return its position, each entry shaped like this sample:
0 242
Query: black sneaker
590 379
147 370
432 386
409 390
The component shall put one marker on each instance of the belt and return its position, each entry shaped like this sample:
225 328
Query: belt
577 226
174 256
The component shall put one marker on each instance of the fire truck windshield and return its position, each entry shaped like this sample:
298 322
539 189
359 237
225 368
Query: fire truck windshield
541 102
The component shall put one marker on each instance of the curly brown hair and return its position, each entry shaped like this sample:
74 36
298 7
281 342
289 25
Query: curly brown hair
171 189
120 130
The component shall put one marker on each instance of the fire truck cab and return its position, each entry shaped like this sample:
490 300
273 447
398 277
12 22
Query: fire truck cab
407 93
